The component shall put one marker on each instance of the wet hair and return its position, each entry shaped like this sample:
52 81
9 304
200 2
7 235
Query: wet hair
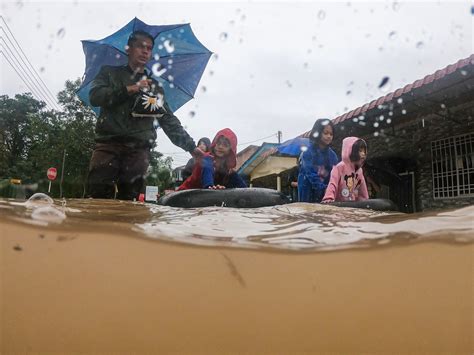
358 144
134 37
206 141
318 128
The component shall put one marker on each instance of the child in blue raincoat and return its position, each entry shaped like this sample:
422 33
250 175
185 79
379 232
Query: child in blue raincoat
316 162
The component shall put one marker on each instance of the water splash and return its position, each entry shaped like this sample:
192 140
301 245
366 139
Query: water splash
48 214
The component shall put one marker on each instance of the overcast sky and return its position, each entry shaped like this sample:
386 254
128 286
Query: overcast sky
277 65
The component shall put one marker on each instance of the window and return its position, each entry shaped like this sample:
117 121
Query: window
453 166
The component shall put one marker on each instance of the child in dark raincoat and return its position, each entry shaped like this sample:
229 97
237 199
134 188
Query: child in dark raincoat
316 162
204 144
347 181
215 169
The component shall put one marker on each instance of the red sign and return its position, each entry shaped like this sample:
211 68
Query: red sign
52 173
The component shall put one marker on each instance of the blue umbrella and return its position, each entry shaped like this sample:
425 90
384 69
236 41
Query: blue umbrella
178 59
293 147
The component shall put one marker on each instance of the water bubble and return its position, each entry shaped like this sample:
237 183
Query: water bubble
321 14
61 32
155 69
192 114
420 45
48 214
392 35
169 46
39 199
223 36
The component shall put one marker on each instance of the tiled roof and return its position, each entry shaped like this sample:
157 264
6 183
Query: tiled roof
399 92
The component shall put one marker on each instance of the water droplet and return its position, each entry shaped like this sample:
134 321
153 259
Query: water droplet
396 6
223 36
289 84
61 32
463 72
361 117
400 100
171 86
390 114
232 22
117 56
211 72
443 106
472 10
355 119
192 114
170 78
362 123
381 118
376 134
305 65
404 112
423 122
169 46
155 69
156 56
203 89
321 14
316 134
376 124
155 123
127 47
303 148
384 85
420 45
42 69
392 35
389 120
348 92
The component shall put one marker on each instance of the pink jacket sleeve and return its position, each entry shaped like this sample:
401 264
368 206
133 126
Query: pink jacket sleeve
331 190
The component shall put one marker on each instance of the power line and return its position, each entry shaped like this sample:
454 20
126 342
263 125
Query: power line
24 81
30 65
272 135
17 67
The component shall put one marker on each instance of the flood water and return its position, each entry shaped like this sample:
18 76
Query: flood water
96 276
295 227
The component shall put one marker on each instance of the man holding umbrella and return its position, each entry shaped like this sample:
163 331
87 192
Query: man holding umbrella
132 104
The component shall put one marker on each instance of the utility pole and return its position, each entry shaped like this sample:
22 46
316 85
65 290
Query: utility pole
62 176
279 137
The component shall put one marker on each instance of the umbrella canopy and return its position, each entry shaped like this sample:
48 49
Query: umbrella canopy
293 147
178 59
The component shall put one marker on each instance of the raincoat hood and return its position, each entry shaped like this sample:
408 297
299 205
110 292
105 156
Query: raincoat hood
230 135
347 145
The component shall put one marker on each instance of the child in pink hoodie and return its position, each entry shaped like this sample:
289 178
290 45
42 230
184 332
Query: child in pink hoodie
347 182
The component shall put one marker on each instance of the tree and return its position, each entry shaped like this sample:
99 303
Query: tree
159 171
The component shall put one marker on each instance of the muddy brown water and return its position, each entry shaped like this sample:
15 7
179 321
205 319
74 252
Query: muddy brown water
96 276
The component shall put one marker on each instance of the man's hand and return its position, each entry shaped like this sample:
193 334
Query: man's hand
197 153
142 84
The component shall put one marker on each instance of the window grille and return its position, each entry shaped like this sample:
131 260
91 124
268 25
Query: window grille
453 166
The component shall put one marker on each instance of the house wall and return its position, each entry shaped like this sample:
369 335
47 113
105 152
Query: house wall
412 140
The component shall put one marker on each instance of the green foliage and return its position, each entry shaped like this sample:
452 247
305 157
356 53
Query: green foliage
159 171
33 139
